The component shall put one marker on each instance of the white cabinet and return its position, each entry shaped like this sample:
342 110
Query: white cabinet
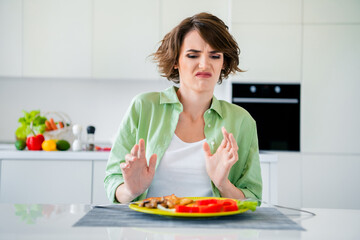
99 194
289 178
10 37
57 38
330 181
49 181
269 37
269 179
330 100
264 11
174 11
125 34
269 53
335 11
78 177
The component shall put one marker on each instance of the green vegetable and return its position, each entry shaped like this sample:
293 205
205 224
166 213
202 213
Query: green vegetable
20 144
62 145
248 204
24 127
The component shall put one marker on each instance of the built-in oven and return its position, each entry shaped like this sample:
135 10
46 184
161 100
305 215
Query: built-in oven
276 110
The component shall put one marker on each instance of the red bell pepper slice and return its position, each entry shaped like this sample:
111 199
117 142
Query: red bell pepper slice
211 208
207 201
230 208
186 209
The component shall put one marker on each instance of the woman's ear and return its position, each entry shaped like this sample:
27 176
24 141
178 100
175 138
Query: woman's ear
175 66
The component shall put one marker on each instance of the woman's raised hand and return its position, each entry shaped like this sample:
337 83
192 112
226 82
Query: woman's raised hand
218 165
136 172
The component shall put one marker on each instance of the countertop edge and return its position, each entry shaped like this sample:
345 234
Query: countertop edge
83 155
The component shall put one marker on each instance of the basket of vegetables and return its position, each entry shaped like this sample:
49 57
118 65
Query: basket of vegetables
59 129
40 132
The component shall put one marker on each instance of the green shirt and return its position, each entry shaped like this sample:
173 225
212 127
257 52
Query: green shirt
154 117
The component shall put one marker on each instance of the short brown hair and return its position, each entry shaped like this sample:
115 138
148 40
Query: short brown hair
213 30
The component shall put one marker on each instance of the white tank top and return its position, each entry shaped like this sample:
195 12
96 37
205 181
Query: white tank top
182 171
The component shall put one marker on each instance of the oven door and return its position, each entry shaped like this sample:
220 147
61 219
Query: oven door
277 113
277 124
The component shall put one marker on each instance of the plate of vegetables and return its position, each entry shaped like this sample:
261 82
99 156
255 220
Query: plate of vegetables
193 206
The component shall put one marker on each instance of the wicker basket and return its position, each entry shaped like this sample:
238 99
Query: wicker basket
64 133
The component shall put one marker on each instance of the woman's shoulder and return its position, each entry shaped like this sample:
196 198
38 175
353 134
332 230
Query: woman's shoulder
147 98
230 109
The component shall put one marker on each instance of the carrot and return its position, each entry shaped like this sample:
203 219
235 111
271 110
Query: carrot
61 124
53 125
48 126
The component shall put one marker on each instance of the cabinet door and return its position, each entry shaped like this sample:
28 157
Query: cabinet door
125 34
330 107
10 37
174 11
99 194
265 174
330 181
269 36
47 181
57 38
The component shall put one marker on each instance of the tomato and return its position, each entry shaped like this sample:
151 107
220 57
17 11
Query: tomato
186 209
211 208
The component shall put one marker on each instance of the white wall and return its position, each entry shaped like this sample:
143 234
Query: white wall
314 43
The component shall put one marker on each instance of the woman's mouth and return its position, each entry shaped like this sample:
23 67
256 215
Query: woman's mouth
203 74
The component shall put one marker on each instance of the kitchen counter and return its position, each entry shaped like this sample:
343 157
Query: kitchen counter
47 221
8 151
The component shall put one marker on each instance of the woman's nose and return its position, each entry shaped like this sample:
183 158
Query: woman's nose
203 62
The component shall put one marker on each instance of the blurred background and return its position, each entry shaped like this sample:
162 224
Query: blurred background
89 58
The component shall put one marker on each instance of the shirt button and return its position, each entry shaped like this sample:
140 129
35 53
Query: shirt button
209 111
209 125
212 143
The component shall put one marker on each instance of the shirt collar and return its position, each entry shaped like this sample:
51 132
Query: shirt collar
169 96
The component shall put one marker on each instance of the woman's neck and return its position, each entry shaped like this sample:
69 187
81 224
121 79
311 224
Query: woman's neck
194 104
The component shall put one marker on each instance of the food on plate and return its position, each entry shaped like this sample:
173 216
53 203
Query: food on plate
167 202
196 205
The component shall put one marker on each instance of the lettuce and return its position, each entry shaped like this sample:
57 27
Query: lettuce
25 128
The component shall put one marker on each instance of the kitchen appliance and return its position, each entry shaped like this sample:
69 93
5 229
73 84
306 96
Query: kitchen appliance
276 110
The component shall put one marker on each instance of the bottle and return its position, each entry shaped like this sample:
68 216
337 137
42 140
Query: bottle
90 145
76 146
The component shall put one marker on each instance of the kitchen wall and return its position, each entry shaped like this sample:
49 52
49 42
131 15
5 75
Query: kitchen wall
91 63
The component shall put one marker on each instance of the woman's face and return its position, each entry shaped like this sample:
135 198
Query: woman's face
199 64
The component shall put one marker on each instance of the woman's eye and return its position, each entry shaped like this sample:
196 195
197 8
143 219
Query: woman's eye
191 56
215 56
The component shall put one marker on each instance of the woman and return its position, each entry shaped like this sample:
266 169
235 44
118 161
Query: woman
196 145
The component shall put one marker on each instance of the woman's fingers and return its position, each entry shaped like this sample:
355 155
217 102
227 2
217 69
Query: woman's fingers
134 150
207 150
233 142
152 162
141 152
226 138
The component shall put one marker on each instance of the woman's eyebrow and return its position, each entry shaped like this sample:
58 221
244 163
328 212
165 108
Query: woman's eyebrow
197 51
193 50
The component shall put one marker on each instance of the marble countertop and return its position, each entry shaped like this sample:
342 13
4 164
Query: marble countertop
46 221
